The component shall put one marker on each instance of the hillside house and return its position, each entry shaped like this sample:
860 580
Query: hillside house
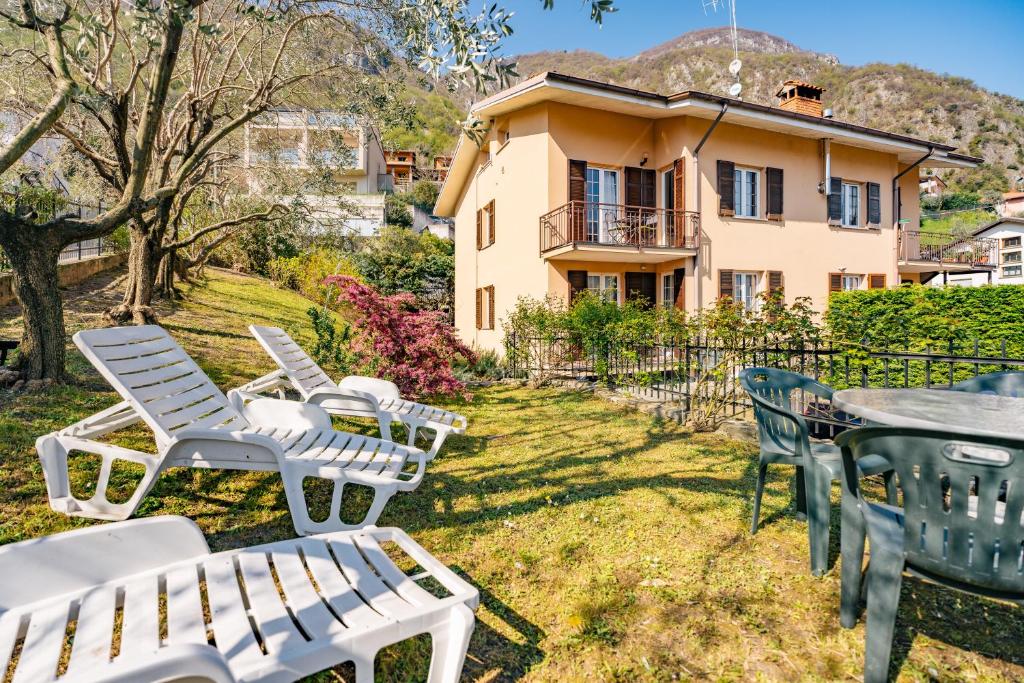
678 200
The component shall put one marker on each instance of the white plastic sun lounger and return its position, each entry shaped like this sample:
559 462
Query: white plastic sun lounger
194 425
146 600
353 396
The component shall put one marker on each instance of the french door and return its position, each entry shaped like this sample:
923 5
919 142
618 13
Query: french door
602 188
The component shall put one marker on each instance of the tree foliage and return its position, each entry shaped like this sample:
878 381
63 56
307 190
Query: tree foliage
399 260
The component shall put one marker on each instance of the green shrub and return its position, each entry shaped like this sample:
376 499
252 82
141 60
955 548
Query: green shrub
305 272
333 348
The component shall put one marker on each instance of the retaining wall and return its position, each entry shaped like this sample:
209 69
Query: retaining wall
70 273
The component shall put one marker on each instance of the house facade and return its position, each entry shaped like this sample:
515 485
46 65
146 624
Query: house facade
677 200
1011 204
318 141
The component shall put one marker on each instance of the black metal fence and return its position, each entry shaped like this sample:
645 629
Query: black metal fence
700 370
49 206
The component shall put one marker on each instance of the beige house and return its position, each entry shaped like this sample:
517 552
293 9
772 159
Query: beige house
677 199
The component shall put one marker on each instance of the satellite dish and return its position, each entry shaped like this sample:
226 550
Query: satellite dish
735 89
735 66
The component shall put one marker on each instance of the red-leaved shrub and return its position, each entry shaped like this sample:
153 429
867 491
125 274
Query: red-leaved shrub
412 348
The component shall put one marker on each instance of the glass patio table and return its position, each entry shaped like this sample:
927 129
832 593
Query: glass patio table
981 414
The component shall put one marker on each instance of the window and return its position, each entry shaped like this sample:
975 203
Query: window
1011 242
485 308
744 287
602 188
850 205
1011 257
1011 271
604 285
746 191
851 282
668 290
668 189
485 225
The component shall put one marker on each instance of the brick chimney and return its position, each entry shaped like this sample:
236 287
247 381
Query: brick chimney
800 97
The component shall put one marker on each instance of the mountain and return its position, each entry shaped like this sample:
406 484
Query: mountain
896 97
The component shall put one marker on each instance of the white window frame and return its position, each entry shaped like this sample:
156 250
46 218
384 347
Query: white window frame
1008 254
607 183
737 196
668 288
844 205
852 282
602 288
668 186
1019 273
754 303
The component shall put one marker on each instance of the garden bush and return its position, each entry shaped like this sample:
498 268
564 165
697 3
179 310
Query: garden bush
305 273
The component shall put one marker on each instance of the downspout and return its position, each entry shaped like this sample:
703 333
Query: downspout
696 166
896 199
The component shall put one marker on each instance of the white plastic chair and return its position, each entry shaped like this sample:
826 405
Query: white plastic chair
145 600
354 396
194 425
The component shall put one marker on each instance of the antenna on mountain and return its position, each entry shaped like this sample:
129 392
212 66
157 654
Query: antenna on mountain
713 4
735 65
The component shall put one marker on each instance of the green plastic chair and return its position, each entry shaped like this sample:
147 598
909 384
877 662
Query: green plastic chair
1010 383
785 440
961 525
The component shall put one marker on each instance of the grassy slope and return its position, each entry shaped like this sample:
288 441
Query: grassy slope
606 546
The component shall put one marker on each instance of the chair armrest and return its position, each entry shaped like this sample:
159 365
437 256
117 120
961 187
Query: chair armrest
804 443
192 662
276 412
222 444
75 560
340 393
818 389
380 388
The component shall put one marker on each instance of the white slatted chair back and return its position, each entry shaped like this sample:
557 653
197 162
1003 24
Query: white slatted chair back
158 379
305 375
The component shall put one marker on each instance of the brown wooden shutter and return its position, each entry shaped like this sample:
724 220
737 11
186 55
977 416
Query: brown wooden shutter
774 177
876 281
577 283
835 282
874 204
679 295
491 222
479 229
678 185
726 188
725 284
578 194
648 188
479 309
642 288
835 200
634 188
774 281
490 307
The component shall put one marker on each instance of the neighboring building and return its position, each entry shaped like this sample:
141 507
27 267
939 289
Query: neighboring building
678 199
932 186
436 225
307 140
1012 204
401 164
1008 236
441 166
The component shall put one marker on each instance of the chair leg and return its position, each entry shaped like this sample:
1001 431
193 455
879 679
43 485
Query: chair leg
818 512
801 494
364 667
449 645
852 551
885 576
891 491
762 473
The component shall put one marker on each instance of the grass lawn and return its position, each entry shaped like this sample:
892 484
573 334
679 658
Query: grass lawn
606 545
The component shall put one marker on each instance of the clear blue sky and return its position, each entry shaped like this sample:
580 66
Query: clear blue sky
983 41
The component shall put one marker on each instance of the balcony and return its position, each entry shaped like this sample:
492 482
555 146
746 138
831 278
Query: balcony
617 232
930 251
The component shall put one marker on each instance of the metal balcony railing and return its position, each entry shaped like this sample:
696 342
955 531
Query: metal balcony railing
939 248
616 225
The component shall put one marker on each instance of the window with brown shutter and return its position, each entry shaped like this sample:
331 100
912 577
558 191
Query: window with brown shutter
479 229
775 281
874 204
774 178
490 306
726 188
479 309
876 281
577 194
835 282
491 223
725 283
577 283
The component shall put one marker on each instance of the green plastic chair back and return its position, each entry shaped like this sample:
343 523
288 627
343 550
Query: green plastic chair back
963 501
1009 383
780 428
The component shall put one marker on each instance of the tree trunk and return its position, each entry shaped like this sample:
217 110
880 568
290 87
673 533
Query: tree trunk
143 259
33 258
165 275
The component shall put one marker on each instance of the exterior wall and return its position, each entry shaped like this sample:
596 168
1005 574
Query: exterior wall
558 274
513 175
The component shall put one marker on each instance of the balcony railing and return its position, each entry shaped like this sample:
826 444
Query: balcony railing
590 223
941 248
